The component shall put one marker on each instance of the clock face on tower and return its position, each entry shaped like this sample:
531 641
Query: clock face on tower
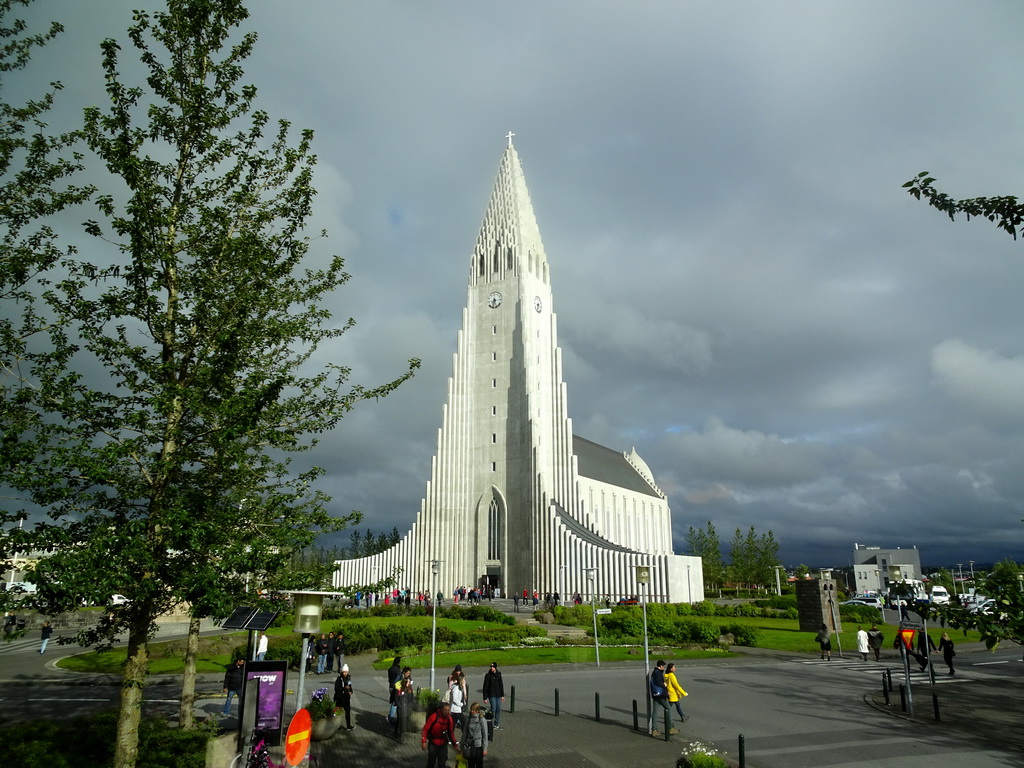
494 300
537 303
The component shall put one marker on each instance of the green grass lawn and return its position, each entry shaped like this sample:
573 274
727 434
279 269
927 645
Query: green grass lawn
777 634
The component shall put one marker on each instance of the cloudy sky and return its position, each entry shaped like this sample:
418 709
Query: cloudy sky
745 293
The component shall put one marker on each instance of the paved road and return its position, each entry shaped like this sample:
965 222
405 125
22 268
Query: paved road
794 712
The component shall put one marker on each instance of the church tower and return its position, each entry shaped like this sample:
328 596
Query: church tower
514 500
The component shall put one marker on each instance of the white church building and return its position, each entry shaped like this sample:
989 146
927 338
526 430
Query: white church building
515 499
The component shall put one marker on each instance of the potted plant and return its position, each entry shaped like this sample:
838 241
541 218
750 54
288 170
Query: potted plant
324 714
425 702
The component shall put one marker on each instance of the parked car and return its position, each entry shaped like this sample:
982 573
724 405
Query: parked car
628 601
119 600
23 587
940 595
874 602
984 606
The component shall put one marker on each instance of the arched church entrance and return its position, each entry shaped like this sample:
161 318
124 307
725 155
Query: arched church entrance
493 508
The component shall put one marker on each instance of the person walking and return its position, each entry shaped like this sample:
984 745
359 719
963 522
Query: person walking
343 694
403 699
330 653
321 654
875 640
234 678
474 737
675 691
948 652
46 632
394 672
824 640
863 643
659 695
457 698
494 692
515 602
925 645
261 648
438 733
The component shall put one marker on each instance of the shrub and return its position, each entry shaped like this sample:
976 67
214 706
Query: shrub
861 614
320 705
705 608
695 631
89 743
744 634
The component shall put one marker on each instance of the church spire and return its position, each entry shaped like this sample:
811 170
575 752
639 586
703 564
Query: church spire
509 241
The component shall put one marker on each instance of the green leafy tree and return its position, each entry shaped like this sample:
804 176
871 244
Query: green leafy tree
766 557
1006 212
203 307
704 543
36 172
355 546
1005 620
739 559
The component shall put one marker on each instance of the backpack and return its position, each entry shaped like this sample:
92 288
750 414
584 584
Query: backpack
438 729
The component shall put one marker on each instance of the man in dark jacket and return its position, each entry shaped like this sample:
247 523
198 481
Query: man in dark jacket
494 692
659 694
394 672
234 679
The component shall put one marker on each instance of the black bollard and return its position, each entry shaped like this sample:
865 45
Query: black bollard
935 706
888 676
636 717
512 700
668 724
597 706
556 702
885 690
743 752
903 698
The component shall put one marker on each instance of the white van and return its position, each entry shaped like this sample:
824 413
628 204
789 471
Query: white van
940 595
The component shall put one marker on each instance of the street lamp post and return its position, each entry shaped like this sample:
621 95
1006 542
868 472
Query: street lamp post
308 610
643 577
591 577
435 568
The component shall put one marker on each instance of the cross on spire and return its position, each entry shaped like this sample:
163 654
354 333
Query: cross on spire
509 137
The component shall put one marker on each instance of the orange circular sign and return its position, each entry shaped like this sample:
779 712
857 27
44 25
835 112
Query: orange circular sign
296 744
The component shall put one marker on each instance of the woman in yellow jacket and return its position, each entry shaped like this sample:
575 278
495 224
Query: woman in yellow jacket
675 691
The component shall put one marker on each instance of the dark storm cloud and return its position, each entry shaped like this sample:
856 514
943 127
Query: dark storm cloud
744 291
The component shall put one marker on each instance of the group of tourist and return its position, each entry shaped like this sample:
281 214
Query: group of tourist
326 652
454 712
870 642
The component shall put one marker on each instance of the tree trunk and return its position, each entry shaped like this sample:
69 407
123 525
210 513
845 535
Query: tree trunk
126 748
186 708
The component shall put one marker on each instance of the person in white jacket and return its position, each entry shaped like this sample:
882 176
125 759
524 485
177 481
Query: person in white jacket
862 643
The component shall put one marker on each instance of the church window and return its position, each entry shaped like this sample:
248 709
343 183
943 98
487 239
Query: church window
494 410
494 383
494 330
494 437
494 466
494 356
493 531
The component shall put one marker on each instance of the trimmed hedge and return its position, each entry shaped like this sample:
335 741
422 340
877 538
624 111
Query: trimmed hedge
88 742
